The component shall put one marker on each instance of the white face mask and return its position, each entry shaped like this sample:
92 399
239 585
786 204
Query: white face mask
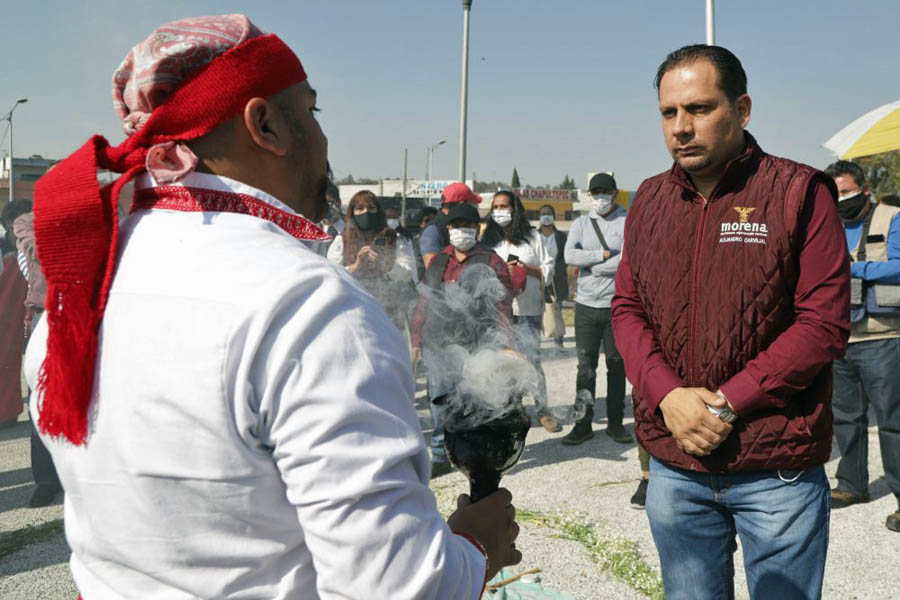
502 217
546 219
393 223
463 238
602 203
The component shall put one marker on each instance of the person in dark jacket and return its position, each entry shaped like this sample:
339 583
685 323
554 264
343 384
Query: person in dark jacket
732 302
438 325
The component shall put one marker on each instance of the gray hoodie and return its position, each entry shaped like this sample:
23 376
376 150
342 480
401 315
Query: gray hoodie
596 275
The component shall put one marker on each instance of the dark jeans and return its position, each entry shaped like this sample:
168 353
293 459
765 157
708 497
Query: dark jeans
593 327
42 468
869 372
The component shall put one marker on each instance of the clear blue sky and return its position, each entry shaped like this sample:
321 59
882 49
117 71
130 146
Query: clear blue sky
555 88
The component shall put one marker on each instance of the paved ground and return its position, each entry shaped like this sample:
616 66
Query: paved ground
588 484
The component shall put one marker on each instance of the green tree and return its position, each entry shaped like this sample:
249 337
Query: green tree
568 183
348 180
515 183
483 187
882 172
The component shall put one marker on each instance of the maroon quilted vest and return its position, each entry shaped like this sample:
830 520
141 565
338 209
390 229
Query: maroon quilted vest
717 281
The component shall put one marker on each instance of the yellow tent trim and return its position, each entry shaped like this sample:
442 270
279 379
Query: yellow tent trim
884 136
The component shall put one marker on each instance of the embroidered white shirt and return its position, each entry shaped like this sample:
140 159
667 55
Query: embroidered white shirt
253 432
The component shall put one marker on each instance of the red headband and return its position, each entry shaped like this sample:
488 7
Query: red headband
76 222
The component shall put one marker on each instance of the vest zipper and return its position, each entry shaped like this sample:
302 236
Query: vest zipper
695 277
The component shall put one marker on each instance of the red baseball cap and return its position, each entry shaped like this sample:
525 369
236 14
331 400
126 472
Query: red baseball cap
459 192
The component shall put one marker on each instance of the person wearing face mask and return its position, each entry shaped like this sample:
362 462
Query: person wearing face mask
594 246
376 256
333 223
392 217
509 234
556 288
869 372
447 266
434 237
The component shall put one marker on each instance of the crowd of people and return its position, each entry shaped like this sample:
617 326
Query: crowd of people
248 389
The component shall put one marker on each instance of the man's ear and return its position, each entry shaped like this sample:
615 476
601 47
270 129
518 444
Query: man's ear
743 105
267 126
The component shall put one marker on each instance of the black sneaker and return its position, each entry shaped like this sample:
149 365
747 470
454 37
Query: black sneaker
582 431
639 499
439 469
618 433
893 521
43 495
842 498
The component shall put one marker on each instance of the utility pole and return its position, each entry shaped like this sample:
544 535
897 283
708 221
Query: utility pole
428 164
9 117
467 8
711 22
403 193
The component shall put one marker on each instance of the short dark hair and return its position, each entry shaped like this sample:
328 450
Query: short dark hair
732 78
847 167
550 206
427 211
332 192
14 210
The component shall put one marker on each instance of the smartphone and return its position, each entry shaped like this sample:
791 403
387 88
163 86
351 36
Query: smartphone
512 258
380 241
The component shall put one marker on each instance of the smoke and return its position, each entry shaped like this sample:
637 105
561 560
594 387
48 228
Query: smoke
473 353
472 350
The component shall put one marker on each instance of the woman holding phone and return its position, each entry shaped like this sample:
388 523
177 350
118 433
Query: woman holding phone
375 255
510 235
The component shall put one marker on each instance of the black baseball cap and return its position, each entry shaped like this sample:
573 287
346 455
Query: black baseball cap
463 211
603 181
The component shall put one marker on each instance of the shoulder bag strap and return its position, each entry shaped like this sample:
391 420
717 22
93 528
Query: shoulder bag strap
599 233
861 253
434 275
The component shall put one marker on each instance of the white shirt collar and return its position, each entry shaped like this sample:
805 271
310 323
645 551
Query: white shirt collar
209 181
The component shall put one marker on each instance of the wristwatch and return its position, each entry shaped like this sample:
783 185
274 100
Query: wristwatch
726 415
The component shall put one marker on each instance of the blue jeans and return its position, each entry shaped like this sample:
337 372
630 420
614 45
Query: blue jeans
782 522
868 373
438 451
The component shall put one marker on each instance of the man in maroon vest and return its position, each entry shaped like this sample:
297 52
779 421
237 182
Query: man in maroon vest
732 301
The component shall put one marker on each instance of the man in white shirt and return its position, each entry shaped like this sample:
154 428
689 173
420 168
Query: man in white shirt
238 421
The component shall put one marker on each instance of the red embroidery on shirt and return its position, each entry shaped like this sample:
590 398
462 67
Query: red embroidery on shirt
187 199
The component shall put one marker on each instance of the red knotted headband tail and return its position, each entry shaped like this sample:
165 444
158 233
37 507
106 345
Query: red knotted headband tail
76 222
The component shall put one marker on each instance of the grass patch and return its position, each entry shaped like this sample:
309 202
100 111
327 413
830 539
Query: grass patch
618 555
20 538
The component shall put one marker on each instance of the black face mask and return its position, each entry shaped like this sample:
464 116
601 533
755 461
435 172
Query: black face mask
850 208
366 221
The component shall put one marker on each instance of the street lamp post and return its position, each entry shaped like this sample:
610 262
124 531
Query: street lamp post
9 117
711 22
428 165
467 8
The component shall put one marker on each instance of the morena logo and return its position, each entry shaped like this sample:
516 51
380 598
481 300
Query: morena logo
744 231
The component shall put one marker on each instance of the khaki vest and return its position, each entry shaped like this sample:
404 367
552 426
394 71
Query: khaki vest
876 328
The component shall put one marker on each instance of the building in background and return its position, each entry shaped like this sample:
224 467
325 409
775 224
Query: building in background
26 172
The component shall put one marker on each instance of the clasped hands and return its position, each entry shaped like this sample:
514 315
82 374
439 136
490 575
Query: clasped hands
696 430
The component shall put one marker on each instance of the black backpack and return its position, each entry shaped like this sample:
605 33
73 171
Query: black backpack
444 325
